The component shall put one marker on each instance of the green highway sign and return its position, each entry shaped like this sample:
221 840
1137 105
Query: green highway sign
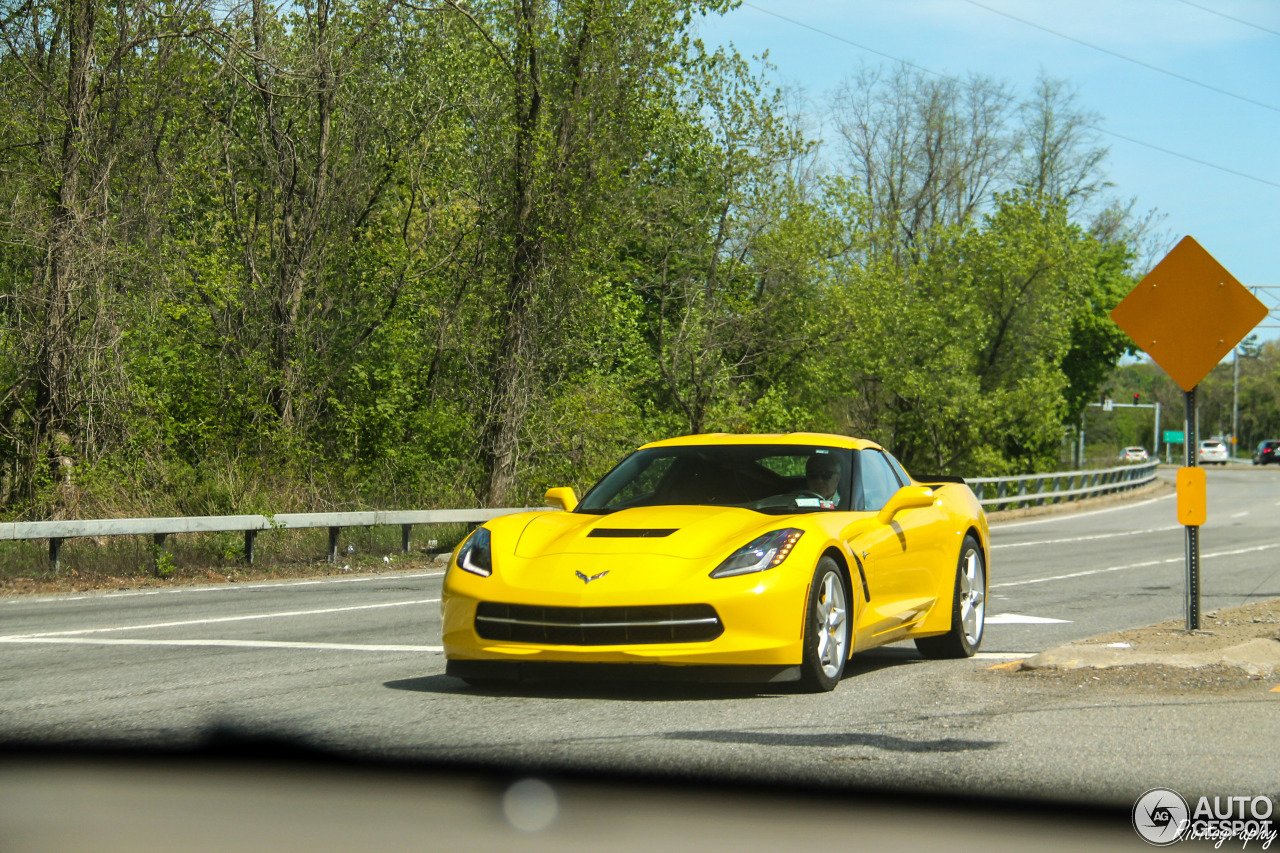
1174 436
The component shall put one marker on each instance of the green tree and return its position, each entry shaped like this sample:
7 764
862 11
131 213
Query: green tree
92 86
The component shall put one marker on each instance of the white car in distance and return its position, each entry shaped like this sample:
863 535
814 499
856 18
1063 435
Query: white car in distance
1213 453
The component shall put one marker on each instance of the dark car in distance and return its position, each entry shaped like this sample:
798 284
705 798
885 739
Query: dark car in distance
1268 451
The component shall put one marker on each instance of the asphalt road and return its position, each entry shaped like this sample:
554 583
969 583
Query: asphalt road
354 664
1126 566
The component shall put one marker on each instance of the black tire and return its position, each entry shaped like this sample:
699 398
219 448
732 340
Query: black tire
828 629
968 608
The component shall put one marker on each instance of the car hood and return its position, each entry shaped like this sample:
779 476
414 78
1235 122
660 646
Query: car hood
672 531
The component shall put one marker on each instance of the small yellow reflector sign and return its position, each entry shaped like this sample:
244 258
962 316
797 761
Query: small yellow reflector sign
1192 503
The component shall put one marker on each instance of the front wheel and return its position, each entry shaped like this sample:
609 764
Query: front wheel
968 609
827 628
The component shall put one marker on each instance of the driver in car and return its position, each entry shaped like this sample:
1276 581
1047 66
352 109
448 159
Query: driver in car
822 475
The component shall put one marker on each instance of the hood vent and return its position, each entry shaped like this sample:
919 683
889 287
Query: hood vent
631 532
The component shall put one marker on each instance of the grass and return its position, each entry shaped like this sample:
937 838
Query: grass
126 562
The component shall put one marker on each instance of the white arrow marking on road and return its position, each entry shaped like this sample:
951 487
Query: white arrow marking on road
1019 619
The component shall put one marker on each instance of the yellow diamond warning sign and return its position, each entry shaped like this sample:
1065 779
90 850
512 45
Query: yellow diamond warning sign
1188 313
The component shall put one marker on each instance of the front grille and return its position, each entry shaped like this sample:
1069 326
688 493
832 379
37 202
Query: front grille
598 626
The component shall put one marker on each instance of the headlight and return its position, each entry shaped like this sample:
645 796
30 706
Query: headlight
763 552
475 556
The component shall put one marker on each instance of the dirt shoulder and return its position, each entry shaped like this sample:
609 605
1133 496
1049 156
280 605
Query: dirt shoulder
1235 647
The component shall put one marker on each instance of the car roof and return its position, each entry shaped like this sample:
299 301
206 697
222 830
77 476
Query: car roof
819 439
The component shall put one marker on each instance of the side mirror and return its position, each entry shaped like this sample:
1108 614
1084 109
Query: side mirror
563 497
908 497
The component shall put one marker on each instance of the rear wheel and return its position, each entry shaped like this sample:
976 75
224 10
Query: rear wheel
968 609
826 629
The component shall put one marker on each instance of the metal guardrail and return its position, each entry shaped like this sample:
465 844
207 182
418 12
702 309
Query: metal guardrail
1039 489
251 525
1000 492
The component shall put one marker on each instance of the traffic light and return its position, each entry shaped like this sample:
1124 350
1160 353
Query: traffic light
1135 398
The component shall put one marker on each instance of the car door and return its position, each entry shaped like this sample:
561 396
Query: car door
901 557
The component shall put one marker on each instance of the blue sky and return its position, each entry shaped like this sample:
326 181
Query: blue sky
1236 218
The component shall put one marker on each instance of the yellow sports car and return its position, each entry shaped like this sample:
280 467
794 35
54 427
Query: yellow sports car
723 557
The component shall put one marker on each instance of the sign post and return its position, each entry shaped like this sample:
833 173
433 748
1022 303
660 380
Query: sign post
1187 314
1191 457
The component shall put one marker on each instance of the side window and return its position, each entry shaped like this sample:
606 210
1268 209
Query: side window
903 478
879 483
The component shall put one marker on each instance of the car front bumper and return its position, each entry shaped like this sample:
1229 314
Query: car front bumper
542 671
761 617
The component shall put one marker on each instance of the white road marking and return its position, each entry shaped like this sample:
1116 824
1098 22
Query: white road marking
235 644
1087 538
221 619
1240 514
222 587
271 644
1001 526
1019 619
1143 565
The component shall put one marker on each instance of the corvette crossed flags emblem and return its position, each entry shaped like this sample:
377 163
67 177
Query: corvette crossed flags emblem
586 579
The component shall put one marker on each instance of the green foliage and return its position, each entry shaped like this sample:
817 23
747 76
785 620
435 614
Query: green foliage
1256 397
961 362
162 562
397 256
1097 344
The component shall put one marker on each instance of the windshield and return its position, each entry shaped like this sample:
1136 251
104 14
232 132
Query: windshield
767 478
